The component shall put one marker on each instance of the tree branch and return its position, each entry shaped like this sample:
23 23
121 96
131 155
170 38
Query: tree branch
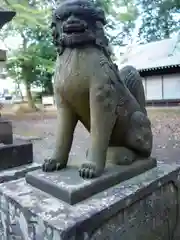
7 2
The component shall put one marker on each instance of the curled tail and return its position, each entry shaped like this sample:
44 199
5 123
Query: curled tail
133 81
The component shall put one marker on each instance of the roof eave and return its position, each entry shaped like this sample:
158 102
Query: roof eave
155 68
6 16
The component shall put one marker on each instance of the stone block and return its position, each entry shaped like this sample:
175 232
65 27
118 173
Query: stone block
2 54
143 207
16 154
18 172
68 186
6 133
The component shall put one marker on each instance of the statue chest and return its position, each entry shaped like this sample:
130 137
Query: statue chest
72 74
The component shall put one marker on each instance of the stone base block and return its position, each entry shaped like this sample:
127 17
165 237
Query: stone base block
18 172
143 207
6 133
68 186
16 154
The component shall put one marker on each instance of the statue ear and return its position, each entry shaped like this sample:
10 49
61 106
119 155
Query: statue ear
101 15
99 25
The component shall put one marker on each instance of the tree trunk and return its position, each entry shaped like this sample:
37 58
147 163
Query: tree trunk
26 73
19 91
22 97
31 103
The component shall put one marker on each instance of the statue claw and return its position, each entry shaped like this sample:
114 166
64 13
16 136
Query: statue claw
51 165
90 170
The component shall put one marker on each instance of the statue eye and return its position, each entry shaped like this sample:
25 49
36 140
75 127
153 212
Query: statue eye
62 17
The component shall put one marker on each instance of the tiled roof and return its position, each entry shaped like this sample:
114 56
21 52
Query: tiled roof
154 55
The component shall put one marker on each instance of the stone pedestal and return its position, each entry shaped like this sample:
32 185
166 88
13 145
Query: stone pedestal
18 172
69 187
143 207
6 134
16 154
13 153
16 157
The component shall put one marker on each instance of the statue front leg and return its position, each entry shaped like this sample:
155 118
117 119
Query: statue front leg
66 123
103 117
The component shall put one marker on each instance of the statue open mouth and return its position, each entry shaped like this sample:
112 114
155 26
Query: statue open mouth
74 28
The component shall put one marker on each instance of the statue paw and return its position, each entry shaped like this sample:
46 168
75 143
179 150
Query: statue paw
90 170
51 165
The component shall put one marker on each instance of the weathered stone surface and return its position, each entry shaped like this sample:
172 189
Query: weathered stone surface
6 134
26 138
68 186
17 172
16 154
143 207
153 218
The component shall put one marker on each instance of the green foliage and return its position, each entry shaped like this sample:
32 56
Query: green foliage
35 64
29 14
121 17
34 60
160 18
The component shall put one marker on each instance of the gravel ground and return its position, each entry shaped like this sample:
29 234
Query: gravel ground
165 124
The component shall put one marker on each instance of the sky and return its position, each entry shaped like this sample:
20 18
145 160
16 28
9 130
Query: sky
13 42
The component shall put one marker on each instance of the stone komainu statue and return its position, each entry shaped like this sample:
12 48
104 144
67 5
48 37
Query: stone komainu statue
89 88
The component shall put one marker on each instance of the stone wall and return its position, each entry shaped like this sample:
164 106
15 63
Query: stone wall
151 218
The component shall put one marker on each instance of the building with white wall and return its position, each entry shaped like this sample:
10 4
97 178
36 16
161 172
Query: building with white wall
159 65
